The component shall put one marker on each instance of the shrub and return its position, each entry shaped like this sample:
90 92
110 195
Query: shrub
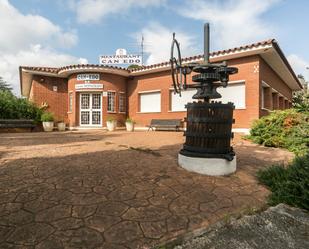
287 129
130 120
110 119
288 185
301 101
12 107
47 117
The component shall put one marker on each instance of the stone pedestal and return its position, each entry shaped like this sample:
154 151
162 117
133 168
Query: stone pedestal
207 166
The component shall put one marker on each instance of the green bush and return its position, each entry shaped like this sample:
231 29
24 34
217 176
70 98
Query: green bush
287 129
288 185
12 107
130 120
301 101
110 119
47 117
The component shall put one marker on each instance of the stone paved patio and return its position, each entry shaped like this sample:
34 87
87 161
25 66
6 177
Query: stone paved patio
115 190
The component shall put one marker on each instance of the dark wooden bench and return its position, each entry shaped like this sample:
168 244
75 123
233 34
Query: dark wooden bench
17 123
165 124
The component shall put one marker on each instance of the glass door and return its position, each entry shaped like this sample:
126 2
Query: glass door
90 109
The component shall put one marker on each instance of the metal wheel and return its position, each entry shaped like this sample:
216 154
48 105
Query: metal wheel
176 68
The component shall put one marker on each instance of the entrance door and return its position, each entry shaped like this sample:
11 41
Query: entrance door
90 109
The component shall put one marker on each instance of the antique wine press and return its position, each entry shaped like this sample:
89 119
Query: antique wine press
209 123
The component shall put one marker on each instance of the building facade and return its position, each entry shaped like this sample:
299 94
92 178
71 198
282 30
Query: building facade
87 95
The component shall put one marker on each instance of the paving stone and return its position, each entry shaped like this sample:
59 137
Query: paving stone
39 205
149 213
176 223
4 232
154 230
83 211
68 223
184 206
133 198
51 243
213 206
20 217
54 213
30 234
9 208
123 232
112 208
83 238
101 223
122 194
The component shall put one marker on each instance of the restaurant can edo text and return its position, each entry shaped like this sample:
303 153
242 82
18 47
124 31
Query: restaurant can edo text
85 96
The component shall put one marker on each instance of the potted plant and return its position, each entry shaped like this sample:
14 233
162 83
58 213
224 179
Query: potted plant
48 121
130 124
111 124
61 126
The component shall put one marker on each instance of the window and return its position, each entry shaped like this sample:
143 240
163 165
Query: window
236 93
263 97
111 101
178 103
122 102
150 102
70 102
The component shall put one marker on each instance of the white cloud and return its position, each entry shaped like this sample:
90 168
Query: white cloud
92 11
234 22
35 56
299 65
30 40
158 42
18 30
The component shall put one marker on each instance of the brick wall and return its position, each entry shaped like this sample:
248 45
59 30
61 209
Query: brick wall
162 81
111 83
42 91
281 94
253 70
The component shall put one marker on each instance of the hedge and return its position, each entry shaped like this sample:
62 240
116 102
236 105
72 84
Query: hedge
12 107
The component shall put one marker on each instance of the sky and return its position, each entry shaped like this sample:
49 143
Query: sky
63 32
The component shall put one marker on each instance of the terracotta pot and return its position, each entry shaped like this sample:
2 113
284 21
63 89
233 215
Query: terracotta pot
111 125
48 126
130 126
61 126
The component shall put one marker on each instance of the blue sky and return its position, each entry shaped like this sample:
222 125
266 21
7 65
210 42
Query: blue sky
61 32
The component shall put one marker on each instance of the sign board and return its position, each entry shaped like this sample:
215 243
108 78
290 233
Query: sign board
88 76
89 86
121 57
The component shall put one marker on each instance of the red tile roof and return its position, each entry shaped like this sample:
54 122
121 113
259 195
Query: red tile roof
165 63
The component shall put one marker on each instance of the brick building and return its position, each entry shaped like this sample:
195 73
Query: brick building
86 95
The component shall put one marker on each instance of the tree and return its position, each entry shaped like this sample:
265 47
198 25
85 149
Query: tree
4 86
301 97
134 66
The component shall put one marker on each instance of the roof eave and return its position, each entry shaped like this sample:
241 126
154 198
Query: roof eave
286 62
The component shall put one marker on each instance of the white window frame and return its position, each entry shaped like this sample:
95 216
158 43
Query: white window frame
149 92
238 82
123 96
70 102
171 93
114 102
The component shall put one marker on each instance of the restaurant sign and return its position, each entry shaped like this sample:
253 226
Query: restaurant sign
88 76
121 57
88 86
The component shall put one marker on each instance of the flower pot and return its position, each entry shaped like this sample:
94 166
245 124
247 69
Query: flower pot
111 125
61 126
130 126
48 126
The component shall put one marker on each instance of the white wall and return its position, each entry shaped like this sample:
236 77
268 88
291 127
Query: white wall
150 102
234 92
178 103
